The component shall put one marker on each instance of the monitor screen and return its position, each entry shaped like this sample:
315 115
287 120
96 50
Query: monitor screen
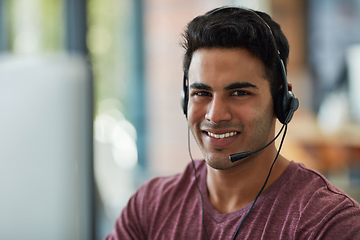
46 159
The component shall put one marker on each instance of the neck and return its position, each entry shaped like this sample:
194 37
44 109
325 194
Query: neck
234 188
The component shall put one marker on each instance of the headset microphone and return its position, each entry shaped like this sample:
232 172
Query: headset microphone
238 156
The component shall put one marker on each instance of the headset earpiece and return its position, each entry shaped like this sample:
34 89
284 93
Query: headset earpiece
185 95
285 103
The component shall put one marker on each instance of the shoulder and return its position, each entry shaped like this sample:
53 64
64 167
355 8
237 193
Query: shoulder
174 182
169 189
324 209
313 185
146 210
163 195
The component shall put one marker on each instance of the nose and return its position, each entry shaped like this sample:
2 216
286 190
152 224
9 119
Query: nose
218 110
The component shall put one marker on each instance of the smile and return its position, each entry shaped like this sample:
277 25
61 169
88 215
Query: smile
224 135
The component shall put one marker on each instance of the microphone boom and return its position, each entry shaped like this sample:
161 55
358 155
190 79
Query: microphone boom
238 156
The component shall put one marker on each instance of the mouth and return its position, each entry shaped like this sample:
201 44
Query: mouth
222 135
220 139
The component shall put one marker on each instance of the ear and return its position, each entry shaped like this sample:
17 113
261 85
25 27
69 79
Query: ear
290 87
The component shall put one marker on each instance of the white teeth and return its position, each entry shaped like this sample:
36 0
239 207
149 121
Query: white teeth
219 136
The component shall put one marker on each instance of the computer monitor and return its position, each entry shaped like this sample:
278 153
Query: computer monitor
46 157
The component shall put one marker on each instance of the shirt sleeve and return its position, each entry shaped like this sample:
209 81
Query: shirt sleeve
338 218
131 224
344 225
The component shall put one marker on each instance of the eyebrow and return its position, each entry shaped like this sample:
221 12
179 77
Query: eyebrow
200 86
236 85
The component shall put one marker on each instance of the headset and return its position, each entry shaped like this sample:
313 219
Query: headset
285 102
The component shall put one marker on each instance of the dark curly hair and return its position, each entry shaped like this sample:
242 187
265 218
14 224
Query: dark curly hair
235 27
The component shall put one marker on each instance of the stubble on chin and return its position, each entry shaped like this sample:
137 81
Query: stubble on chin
218 162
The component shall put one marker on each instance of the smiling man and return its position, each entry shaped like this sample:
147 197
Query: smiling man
235 89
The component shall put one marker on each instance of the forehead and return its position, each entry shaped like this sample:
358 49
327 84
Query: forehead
222 66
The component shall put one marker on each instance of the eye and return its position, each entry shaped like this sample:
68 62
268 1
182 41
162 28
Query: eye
239 93
201 94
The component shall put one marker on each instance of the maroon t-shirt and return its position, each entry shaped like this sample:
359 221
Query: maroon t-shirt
301 204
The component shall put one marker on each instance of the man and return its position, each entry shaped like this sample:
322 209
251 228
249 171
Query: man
235 89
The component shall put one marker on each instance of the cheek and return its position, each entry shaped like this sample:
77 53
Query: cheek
195 117
192 118
195 113
247 112
255 112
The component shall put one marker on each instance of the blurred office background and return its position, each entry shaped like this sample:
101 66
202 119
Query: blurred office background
116 65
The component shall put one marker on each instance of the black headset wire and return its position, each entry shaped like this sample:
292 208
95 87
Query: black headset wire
267 178
197 186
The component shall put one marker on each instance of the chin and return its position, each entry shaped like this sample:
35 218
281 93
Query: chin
219 163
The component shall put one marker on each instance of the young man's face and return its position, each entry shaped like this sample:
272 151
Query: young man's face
230 105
